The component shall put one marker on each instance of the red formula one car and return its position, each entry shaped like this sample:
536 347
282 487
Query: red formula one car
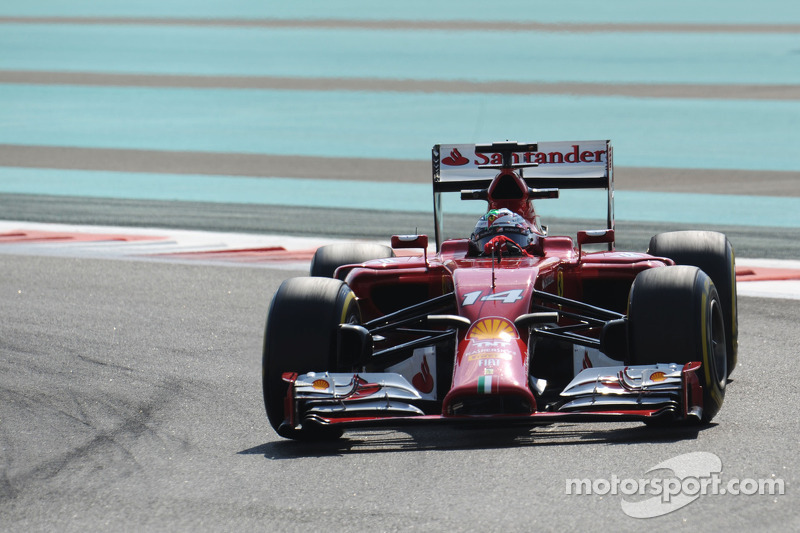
510 325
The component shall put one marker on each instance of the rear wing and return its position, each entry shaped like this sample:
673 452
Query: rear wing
558 165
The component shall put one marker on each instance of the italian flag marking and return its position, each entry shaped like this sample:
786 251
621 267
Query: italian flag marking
485 385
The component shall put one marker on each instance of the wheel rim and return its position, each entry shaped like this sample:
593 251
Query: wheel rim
719 358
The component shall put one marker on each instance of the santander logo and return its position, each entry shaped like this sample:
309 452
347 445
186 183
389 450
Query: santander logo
558 155
455 159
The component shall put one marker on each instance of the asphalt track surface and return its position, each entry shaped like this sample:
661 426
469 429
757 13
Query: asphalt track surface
131 400
130 391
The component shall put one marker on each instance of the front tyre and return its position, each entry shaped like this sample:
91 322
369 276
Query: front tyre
300 336
712 253
675 316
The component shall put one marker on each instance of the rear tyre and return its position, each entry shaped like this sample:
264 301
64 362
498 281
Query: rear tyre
328 258
712 253
300 337
675 316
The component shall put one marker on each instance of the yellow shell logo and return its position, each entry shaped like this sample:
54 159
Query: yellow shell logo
493 328
320 384
658 376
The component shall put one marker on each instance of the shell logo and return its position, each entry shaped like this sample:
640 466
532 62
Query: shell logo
320 384
493 328
658 376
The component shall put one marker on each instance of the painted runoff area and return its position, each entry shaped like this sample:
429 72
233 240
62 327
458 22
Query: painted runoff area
766 278
765 211
652 133
565 11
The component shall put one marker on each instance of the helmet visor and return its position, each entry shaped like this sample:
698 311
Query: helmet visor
522 239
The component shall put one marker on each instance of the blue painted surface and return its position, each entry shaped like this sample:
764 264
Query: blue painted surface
714 11
630 205
425 55
670 133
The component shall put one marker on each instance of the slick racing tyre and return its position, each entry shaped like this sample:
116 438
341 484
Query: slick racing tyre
712 253
328 258
300 337
675 316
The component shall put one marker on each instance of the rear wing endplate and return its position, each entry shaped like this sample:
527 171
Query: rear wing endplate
559 165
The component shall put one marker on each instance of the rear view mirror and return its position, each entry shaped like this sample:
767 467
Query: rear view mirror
409 241
595 236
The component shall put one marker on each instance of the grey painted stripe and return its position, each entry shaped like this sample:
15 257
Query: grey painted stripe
446 25
760 183
213 163
636 90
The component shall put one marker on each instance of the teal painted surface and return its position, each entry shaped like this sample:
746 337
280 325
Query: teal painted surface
425 55
630 206
724 134
719 11
666 133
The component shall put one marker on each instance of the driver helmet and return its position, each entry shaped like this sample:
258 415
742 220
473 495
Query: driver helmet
502 222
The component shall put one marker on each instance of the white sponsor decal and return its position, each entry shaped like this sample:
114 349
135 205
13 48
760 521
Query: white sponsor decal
562 158
420 371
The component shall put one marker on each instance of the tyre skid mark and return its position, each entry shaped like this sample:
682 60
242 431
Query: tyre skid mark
114 425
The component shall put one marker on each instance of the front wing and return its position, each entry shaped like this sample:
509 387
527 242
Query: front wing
612 394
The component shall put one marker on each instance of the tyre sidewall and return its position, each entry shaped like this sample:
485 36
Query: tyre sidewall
300 334
713 253
671 320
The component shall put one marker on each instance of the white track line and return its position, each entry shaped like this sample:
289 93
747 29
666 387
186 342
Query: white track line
168 245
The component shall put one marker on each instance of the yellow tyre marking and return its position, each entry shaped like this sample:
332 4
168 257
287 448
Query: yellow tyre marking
712 385
704 334
734 321
348 299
